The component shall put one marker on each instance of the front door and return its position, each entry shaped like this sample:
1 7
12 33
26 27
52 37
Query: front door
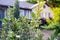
1 16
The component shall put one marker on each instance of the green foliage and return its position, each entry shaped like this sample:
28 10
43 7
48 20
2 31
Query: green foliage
16 9
21 28
32 15
52 37
32 1
36 16
54 23
54 3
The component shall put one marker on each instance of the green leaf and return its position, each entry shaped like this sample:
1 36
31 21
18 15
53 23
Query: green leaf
32 15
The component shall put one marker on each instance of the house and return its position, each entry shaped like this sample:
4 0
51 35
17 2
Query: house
46 11
25 9
45 14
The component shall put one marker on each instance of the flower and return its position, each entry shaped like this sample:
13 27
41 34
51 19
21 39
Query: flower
3 23
10 32
18 36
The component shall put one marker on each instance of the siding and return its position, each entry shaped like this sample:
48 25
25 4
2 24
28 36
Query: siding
46 12
26 13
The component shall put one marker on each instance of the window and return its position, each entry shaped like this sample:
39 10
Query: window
1 16
25 13
28 12
43 15
30 15
21 12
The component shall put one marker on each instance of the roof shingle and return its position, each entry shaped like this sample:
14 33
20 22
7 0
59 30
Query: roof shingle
22 4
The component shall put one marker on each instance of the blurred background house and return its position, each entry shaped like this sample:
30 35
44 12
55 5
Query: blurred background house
25 9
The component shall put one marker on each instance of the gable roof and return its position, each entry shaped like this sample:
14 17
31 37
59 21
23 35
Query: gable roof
21 3
25 5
